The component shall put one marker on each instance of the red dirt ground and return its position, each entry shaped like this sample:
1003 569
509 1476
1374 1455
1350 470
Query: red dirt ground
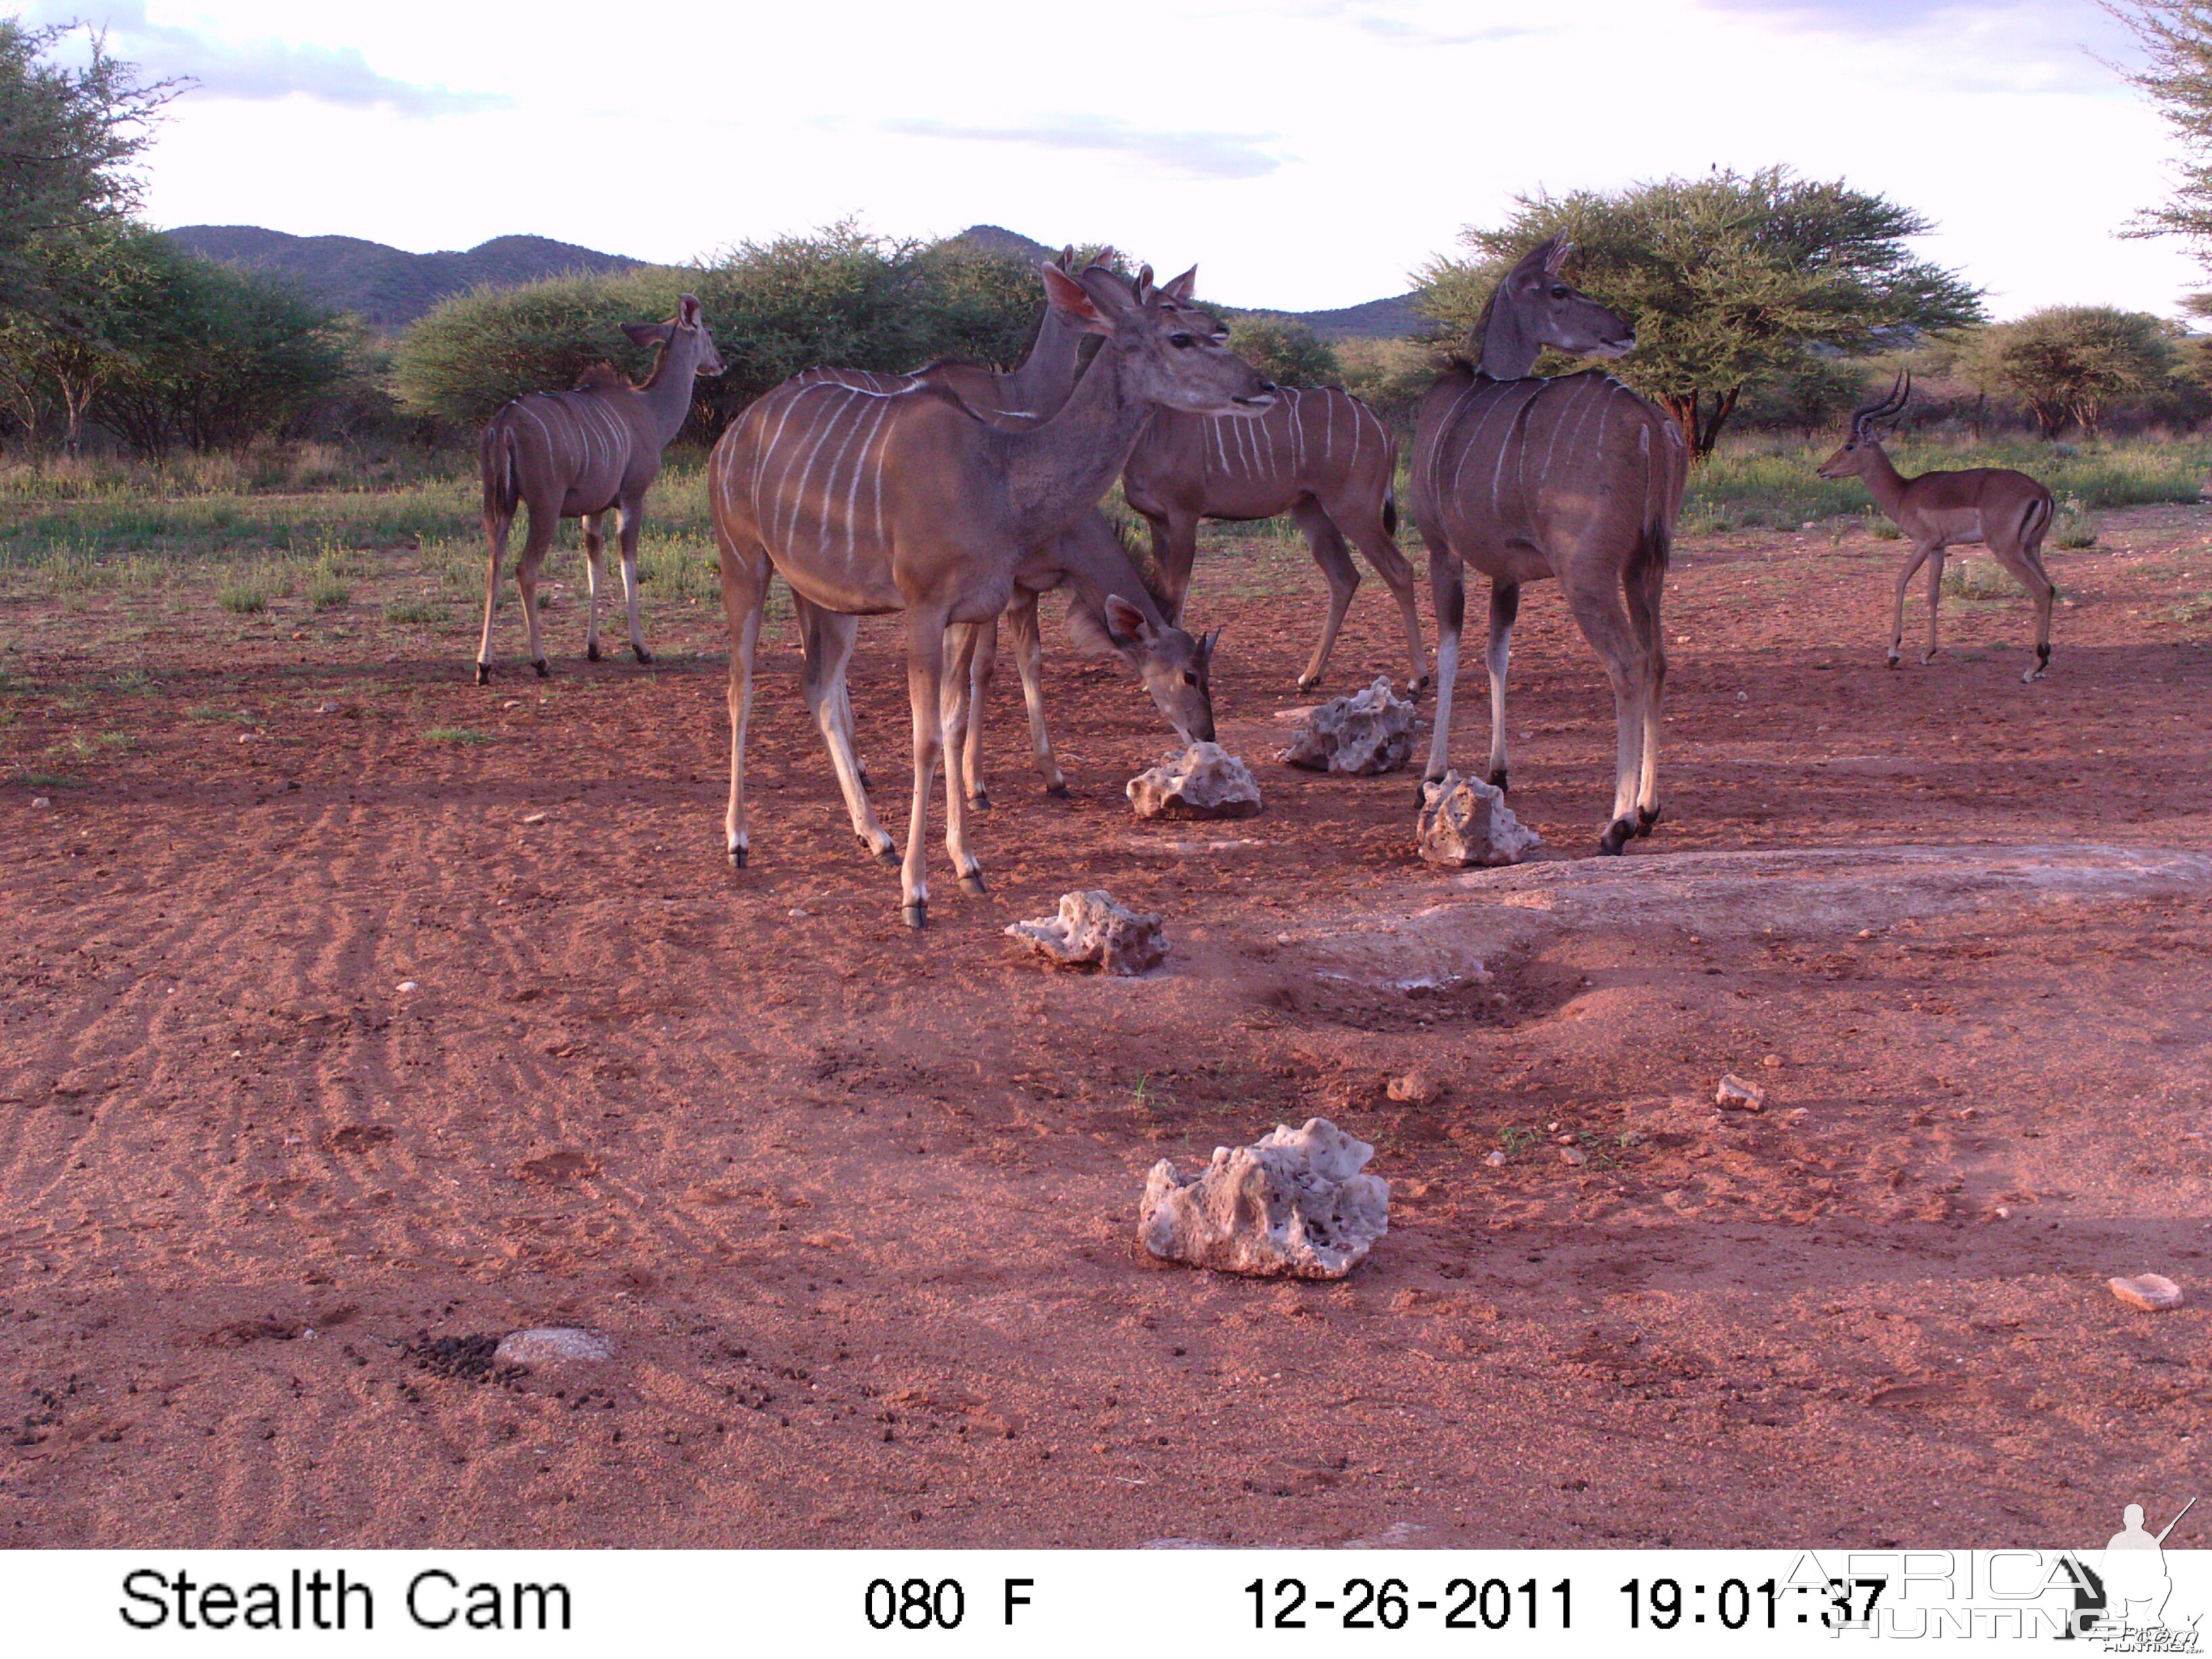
858 1204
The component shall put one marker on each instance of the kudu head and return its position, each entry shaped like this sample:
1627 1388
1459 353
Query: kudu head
1175 667
687 328
1861 449
1168 353
1532 308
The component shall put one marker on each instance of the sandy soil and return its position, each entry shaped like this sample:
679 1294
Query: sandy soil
857 1205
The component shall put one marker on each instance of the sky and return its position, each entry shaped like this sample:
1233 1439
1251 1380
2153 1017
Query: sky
1303 153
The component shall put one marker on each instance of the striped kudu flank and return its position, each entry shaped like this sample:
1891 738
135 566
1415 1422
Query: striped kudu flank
1111 608
1320 455
2007 512
868 501
578 455
1576 477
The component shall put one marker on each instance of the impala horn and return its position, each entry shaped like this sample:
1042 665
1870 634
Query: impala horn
1886 407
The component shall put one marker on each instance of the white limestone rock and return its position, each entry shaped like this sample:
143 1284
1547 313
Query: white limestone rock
2152 1293
1093 931
1466 822
1296 1204
1204 781
551 1346
1369 733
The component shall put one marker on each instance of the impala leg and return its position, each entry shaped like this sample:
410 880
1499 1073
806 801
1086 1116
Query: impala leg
1363 522
534 548
1600 612
1935 600
1330 552
1897 603
960 645
826 639
2026 565
1028 658
633 523
1448 589
744 585
1504 606
968 735
595 572
496 526
924 676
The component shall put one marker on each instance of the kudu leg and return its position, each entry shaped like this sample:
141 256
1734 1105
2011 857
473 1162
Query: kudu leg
827 641
744 585
1363 522
925 678
595 574
966 732
495 529
1600 612
1897 603
1334 556
1645 591
1934 601
1505 608
1175 546
534 548
1448 590
1028 658
961 642
632 522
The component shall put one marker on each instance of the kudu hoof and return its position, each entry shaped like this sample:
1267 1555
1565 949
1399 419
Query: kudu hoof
917 913
1645 818
592 651
1497 781
736 858
971 881
484 673
1058 791
1618 835
1305 684
641 654
545 669
884 853
981 800
1895 661
1416 686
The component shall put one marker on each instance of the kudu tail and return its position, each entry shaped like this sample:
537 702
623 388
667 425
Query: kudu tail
1390 511
497 460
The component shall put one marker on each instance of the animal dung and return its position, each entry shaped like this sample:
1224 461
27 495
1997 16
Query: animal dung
1204 781
553 1344
1371 732
1093 931
1296 1204
1465 822
1735 1095
2152 1293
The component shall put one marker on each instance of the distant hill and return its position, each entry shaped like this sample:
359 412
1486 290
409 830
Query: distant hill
390 286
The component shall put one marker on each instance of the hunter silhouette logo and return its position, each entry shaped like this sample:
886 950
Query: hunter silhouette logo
2125 1596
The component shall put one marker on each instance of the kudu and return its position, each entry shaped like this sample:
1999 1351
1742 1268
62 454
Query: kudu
1575 477
1320 455
578 454
868 502
2006 511
1112 609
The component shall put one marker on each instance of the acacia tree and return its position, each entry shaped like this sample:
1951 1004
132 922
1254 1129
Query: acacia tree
2073 364
1728 279
1285 350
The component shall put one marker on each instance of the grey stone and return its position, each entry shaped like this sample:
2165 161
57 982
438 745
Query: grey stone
2152 1293
1204 781
1736 1094
553 1345
1296 1204
1093 931
1466 822
1370 731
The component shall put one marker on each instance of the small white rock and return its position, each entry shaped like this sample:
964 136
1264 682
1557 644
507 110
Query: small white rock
1297 1204
1465 822
2152 1293
1415 1088
1204 781
554 1345
535 818
1369 733
1093 931
1496 1160
1735 1095
406 984
42 800
1573 1155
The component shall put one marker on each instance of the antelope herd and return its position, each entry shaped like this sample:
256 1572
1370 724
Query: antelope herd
956 497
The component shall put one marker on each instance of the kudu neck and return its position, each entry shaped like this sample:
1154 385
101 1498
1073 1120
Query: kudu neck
667 390
1058 470
1046 376
1510 345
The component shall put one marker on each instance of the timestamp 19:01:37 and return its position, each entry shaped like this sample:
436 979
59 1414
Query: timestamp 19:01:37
1365 1604
1661 1604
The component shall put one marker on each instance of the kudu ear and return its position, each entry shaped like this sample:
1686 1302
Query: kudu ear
1559 247
649 334
687 311
1070 297
1181 287
1143 285
1066 260
1125 624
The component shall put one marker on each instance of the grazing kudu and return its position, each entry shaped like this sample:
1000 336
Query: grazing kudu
578 454
2006 511
1575 477
1320 455
867 502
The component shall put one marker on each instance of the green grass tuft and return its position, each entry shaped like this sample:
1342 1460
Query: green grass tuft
455 734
